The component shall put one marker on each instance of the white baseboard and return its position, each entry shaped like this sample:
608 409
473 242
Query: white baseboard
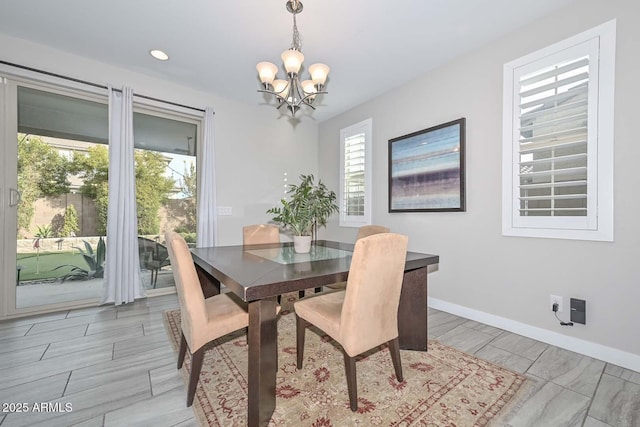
588 348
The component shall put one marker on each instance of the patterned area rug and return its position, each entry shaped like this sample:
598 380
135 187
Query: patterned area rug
441 387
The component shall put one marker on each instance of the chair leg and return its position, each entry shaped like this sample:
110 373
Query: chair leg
301 326
183 350
300 294
352 384
394 349
316 290
196 366
279 298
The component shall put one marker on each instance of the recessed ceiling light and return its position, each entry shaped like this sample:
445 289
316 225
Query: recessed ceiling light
158 54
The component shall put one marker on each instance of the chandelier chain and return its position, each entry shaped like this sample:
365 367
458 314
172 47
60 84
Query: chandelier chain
296 43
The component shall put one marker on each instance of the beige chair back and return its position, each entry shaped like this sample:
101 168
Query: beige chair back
260 234
370 309
370 230
193 312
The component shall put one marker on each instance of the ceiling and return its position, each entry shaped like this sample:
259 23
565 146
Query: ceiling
214 45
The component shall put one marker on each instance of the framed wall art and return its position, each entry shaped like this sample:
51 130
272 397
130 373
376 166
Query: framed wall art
426 170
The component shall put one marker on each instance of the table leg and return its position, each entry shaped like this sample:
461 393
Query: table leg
263 361
210 285
412 312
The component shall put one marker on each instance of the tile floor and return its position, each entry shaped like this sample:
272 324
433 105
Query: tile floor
116 367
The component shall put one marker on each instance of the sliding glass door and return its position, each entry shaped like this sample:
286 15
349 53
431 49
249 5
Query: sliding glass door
54 188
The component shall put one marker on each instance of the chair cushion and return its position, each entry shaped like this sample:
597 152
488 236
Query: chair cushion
227 313
337 286
323 310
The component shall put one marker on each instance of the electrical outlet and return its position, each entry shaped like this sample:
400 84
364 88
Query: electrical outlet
555 299
225 211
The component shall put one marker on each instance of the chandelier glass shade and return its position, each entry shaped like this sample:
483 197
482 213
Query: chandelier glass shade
292 92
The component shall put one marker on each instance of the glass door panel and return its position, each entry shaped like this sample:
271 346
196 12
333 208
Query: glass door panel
59 140
165 171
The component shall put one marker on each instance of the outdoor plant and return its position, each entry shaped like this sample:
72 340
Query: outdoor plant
95 261
44 231
70 224
42 172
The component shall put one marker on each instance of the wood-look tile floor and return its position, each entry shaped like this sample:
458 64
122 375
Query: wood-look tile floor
116 367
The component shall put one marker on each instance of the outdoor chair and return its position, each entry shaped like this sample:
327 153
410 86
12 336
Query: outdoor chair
153 257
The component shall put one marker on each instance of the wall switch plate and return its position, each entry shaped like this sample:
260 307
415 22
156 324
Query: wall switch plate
578 311
553 299
225 211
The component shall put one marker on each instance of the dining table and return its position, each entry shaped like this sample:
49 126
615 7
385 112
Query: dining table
259 273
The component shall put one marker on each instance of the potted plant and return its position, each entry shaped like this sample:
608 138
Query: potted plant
310 206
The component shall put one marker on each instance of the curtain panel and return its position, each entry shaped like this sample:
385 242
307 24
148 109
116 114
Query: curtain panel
122 282
207 217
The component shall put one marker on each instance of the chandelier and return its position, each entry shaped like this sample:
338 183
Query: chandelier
292 92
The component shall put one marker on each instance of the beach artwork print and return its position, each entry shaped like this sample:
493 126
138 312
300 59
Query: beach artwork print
426 169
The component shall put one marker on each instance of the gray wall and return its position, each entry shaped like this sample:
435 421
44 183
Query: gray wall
254 146
480 270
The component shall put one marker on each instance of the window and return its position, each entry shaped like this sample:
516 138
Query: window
355 174
558 139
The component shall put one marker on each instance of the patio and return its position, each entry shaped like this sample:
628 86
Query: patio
30 294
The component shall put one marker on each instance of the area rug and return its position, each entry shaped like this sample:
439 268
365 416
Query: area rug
441 387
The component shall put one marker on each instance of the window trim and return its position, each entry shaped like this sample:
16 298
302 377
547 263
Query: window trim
605 36
366 127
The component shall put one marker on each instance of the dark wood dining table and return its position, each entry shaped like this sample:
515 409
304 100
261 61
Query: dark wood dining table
259 273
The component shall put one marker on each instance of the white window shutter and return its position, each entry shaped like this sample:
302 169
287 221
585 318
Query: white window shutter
558 140
355 174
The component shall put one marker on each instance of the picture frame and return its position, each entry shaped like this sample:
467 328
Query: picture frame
427 169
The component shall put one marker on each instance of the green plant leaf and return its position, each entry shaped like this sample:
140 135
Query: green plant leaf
310 205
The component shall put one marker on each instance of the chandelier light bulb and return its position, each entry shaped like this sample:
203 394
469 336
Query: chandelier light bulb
319 73
281 88
309 88
267 72
292 60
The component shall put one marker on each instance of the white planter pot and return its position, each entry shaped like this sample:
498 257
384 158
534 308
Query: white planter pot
302 244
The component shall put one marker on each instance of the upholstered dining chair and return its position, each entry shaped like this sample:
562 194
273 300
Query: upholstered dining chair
260 234
364 231
201 320
365 314
370 230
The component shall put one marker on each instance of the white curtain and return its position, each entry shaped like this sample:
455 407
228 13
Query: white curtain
207 214
122 282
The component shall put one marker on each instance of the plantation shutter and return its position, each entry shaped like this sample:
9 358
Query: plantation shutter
553 149
555 139
354 174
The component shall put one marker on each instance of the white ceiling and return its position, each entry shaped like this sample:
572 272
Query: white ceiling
371 46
